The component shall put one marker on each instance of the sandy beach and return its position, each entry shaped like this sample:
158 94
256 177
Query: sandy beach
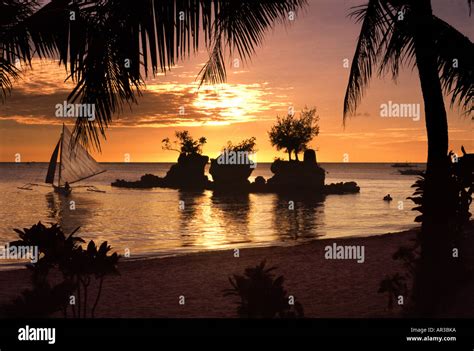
325 288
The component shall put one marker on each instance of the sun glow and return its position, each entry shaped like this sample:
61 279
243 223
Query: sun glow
220 105
227 103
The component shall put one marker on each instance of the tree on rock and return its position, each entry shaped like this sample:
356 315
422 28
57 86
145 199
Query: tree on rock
294 133
187 145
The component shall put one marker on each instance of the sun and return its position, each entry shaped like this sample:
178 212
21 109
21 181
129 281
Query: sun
219 105
226 104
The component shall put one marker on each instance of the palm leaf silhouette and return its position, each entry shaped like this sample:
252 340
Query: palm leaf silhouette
387 43
110 46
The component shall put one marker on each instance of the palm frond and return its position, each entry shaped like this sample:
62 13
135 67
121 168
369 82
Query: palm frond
14 42
104 78
389 43
239 27
376 23
8 74
94 39
456 64
398 47
455 57
14 35
214 71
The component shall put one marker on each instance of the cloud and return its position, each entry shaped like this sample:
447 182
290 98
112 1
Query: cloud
162 103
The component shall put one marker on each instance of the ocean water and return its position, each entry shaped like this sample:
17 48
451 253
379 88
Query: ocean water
149 222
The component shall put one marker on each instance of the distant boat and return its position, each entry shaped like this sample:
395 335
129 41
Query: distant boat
75 164
403 165
410 172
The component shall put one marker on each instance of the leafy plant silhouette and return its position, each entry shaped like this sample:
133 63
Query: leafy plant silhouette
247 145
77 266
85 265
261 295
185 144
53 247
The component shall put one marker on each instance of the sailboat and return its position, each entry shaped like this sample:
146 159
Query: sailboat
75 164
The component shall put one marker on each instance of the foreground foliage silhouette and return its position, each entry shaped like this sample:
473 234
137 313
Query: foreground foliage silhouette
442 269
396 33
261 295
77 266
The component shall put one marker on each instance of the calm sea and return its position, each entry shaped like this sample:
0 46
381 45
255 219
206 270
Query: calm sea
150 222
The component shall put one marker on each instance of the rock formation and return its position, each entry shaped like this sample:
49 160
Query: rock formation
297 176
230 176
188 172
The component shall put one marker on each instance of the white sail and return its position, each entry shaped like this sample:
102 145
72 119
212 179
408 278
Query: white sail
76 163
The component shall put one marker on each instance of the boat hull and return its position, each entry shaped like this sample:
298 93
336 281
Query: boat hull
62 190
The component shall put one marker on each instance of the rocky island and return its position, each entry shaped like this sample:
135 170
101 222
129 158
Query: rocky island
230 171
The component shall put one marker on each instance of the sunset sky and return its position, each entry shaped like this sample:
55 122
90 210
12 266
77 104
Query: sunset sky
299 64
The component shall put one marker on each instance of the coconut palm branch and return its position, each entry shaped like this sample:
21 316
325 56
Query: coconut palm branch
109 47
388 43
367 54
13 42
8 74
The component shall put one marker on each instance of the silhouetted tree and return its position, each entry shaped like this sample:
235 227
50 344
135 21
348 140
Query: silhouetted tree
184 144
292 133
394 33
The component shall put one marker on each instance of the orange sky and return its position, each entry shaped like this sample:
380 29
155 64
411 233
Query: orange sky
300 64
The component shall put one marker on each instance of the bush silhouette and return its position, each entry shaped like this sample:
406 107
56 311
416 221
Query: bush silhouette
247 145
78 267
185 144
261 295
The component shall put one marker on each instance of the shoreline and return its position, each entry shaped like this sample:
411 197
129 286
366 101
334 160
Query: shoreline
326 288
157 256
